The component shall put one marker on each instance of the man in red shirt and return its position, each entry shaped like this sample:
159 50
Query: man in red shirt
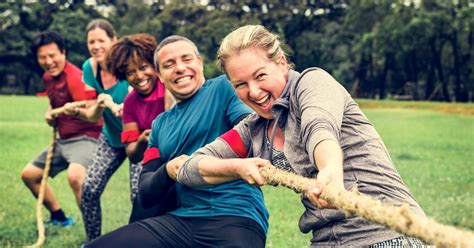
77 139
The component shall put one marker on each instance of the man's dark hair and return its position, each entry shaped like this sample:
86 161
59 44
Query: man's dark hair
45 38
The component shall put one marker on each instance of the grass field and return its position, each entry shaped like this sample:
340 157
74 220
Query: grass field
432 150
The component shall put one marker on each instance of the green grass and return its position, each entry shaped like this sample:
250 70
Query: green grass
433 152
459 108
23 134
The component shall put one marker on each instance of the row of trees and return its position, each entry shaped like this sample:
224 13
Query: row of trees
408 49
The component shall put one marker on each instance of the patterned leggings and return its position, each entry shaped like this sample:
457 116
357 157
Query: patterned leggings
106 161
401 242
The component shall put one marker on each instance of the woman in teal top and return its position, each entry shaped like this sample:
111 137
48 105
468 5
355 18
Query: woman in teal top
113 124
110 152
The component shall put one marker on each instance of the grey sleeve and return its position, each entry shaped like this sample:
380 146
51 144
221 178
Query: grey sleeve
189 174
321 102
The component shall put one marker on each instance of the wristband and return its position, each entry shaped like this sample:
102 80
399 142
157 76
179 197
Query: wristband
150 154
129 136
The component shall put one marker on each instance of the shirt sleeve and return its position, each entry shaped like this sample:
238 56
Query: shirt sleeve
76 87
154 183
235 143
152 142
128 113
88 74
321 102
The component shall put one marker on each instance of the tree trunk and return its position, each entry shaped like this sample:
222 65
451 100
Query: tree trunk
361 77
26 83
457 65
413 77
429 86
383 77
438 67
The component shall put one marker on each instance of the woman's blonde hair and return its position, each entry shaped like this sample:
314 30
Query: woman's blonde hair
250 36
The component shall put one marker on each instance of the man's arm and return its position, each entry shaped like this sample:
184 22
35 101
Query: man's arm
157 179
95 110
154 183
48 117
71 109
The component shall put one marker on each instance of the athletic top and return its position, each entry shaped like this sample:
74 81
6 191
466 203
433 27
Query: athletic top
191 124
112 125
144 109
68 87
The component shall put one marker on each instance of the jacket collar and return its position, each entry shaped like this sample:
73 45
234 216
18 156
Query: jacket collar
281 105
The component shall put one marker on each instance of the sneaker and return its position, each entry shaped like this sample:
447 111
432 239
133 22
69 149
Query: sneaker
66 223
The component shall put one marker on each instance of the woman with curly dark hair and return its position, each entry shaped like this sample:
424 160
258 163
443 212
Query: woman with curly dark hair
131 59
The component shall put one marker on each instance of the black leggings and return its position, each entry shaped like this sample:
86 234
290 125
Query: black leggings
132 235
173 231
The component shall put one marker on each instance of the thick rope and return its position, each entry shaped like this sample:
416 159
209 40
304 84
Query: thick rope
400 219
60 110
44 180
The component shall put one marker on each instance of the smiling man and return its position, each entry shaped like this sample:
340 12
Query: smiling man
77 138
231 214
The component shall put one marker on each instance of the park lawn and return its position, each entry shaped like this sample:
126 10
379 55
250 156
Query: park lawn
457 108
433 152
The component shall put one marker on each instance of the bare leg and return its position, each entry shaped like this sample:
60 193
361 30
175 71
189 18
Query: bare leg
31 176
75 175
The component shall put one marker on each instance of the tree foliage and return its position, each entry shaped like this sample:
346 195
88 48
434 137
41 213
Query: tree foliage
407 49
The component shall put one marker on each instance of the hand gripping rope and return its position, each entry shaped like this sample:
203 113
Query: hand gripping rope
398 218
44 179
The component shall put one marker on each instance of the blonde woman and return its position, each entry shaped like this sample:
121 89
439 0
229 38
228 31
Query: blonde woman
305 123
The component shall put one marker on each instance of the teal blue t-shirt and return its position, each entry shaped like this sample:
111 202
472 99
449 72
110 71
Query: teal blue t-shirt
112 125
190 125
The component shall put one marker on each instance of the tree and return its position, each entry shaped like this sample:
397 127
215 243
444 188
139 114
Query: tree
419 49
21 21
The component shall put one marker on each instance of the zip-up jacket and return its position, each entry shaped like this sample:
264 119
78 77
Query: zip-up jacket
314 107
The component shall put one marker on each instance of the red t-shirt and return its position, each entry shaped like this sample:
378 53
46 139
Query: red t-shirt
68 87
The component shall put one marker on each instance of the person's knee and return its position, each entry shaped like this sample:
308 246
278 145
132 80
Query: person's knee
31 174
75 175
75 181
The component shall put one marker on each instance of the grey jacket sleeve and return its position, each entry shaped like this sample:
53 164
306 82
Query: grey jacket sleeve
223 147
189 174
321 101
